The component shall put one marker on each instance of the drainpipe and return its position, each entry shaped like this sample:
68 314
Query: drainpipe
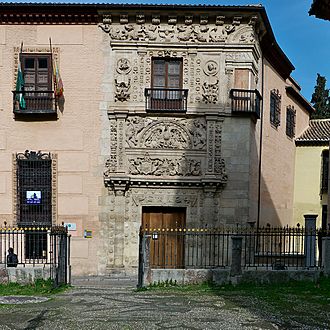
260 142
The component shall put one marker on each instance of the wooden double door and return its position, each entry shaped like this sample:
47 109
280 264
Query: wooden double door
167 250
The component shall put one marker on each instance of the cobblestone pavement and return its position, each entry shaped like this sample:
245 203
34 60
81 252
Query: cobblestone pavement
116 305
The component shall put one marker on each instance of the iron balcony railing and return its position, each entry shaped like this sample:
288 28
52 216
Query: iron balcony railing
34 102
166 100
246 101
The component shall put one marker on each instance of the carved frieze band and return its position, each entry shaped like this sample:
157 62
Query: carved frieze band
166 133
178 30
164 166
140 197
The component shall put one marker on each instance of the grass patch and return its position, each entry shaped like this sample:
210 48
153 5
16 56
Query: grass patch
39 287
290 305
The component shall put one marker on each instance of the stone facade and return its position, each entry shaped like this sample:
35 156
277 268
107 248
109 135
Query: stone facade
116 159
199 160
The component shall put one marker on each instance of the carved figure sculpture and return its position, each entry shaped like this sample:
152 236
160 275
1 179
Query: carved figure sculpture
210 92
122 90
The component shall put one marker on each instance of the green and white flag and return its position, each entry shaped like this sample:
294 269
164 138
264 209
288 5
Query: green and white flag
19 88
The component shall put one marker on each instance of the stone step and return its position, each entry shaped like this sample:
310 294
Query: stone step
108 281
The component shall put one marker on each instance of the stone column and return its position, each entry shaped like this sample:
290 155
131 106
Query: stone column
236 259
310 240
119 234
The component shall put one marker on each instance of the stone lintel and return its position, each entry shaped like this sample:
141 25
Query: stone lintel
124 183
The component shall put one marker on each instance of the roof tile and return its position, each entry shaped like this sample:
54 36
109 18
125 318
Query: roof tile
318 131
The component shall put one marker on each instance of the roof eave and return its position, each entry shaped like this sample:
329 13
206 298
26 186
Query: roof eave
294 93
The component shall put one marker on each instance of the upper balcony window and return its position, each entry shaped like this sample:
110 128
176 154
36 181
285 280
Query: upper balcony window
275 108
245 101
290 122
34 93
166 93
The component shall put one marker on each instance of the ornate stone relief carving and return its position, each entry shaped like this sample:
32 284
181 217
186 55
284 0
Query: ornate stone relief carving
219 163
166 136
192 33
111 164
211 92
211 68
122 90
177 198
124 66
160 166
173 32
166 133
198 79
243 34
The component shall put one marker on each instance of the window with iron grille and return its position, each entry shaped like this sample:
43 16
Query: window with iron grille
275 108
34 188
290 122
325 170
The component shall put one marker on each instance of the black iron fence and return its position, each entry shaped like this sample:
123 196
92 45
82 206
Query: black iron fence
266 247
46 247
166 100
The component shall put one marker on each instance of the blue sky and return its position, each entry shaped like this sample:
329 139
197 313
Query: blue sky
303 38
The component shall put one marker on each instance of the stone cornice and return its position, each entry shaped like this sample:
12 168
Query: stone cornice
121 184
47 18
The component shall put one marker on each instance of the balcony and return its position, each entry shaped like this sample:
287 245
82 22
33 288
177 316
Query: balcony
166 100
246 101
36 102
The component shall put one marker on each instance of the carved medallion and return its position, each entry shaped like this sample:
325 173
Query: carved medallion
211 68
123 66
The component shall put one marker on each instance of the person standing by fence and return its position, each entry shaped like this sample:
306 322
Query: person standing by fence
12 259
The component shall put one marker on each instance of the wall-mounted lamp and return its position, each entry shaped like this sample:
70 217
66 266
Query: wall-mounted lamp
154 235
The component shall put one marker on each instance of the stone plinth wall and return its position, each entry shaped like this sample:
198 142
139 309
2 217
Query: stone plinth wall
222 276
24 275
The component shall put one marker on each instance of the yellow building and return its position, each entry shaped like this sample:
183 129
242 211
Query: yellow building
311 172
